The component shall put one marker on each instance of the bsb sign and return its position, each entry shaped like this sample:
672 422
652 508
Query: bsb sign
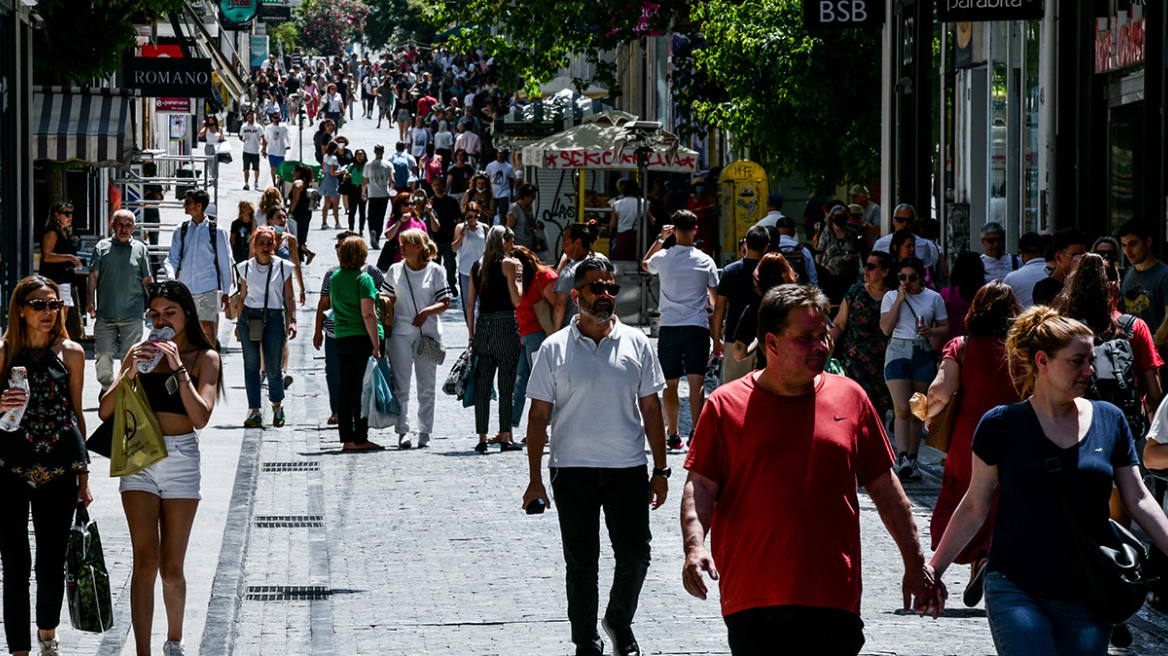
843 13
161 77
988 10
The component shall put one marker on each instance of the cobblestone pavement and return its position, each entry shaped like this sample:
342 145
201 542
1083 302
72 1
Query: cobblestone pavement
301 549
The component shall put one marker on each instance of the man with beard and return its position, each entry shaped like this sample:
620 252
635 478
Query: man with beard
599 364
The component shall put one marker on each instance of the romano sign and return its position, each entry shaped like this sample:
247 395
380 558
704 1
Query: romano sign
166 76
988 10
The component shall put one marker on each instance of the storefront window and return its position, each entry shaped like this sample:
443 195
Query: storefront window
1030 141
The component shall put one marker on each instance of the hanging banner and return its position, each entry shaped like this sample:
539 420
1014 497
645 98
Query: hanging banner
989 10
843 13
259 50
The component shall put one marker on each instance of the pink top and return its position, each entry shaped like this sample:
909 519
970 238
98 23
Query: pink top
957 307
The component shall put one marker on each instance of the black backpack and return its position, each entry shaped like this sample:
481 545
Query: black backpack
795 257
1115 377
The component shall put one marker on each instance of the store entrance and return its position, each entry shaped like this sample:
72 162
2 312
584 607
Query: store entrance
1125 158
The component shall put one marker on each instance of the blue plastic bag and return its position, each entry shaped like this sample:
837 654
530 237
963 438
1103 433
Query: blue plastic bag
378 404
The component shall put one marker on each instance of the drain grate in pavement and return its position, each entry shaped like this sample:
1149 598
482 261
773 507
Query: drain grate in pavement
286 592
289 521
295 466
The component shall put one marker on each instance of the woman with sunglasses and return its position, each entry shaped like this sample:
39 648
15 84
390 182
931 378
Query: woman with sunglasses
415 216
214 136
265 284
859 343
160 501
355 205
470 242
59 261
1108 248
496 280
43 463
914 317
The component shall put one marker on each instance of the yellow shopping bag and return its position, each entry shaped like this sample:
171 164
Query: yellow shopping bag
137 439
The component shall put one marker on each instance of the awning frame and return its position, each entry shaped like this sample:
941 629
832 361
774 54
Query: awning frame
66 128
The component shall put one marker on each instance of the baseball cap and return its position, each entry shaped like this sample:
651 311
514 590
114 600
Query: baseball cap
858 189
212 210
855 210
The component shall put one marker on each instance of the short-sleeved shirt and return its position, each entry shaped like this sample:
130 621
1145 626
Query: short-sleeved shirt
998 268
786 523
1145 293
524 226
422 289
500 174
241 233
327 326
278 140
686 276
627 210
737 285
927 305
1046 290
1023 280
1030 530
251 138
376 176
121 268
579 376
566 282
347 289
525 313
256 275
449 213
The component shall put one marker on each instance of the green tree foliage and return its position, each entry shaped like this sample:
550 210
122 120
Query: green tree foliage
329 26
393 22
84 41
805 102
286 34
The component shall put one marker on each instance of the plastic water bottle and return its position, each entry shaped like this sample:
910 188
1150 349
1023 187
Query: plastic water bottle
11 419
158 334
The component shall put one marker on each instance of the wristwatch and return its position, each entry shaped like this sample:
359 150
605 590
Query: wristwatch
663 472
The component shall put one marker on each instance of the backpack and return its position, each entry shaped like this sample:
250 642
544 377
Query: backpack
182 248
1115 377
794 256
401 170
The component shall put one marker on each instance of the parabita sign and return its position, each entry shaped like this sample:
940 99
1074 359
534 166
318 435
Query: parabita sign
167 77
988 10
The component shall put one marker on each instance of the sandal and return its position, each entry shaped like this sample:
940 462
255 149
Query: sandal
976 586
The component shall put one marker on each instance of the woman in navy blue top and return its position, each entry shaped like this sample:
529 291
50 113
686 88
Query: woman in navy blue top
1032 600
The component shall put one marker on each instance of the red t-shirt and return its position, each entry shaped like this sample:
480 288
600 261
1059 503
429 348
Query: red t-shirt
1143 348
786 524
525 313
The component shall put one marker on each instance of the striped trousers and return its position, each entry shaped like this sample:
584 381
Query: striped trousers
496 347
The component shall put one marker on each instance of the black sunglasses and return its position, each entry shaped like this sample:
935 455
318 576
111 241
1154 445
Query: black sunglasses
66 212
41 304
163 289
908 277
868 266
599 287
993 240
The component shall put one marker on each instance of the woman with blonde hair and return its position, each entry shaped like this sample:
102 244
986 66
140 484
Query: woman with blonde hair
1033 600
269 200
418 288
496 282
42 462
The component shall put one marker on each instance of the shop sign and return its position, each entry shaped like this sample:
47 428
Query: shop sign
606 159
1119 40
275 13
173 105
238 11
168 76
989 10
843 13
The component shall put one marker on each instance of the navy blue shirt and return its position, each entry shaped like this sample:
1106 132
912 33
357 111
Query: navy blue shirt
1031 537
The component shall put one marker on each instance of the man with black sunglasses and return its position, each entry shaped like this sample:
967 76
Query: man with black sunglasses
599 366
998 263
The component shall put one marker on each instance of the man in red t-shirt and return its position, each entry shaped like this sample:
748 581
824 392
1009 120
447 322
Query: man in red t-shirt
782 501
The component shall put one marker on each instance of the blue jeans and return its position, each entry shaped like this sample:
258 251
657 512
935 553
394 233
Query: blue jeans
1025 625
332 371
531 343
273 348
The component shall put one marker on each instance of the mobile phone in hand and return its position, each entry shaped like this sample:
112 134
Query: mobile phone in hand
536 507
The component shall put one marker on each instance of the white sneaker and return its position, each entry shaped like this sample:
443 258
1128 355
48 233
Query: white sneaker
914 468
403 441
173 648
423 440
50 647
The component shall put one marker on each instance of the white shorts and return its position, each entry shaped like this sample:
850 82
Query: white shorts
176 476
207 304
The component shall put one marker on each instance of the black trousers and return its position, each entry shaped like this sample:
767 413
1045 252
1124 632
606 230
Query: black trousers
580 494
356 206
794 631
352 355
377 209
52 506
450 263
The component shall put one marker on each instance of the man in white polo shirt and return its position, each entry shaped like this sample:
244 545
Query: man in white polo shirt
1033 269
602 378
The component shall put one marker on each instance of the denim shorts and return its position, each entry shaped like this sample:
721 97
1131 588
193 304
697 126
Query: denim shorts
683 351
909 359
1023 624
176 476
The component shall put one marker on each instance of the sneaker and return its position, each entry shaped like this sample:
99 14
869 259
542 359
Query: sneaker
481 447
623 641
903 468
423 440
403 441
914 468
50 647
277 415
254 419
245 187
287 381
675 444
173 648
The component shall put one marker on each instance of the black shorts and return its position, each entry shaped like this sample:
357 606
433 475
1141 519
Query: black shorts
251 161
683 350
794 630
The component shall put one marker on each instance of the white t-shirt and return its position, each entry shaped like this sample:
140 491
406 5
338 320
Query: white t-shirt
1158 433
583 379
928 304
474 244
336 102
429 287
256 275
686 274
278 140
251 134
627 210
443 140
500 174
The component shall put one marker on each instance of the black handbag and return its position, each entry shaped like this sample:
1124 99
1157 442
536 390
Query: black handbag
1110 575
86 578
102 440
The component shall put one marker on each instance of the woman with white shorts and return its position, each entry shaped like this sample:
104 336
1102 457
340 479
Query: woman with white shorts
160 501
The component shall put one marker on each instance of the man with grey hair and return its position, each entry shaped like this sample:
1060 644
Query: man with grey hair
789 573
904 217
118 274
998 263
598 365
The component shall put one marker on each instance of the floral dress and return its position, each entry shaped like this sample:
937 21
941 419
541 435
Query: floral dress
862 347
49 442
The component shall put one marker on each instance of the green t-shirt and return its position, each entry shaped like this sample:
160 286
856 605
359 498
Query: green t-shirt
120 268
356 173
346 289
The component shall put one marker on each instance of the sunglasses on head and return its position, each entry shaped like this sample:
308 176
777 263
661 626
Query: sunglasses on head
163 289
41 304
600 287
909 277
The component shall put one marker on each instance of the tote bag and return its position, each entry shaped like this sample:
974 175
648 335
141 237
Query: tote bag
137 438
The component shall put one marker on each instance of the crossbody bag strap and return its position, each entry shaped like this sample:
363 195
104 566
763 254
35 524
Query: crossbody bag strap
413 298
1054 468
268 288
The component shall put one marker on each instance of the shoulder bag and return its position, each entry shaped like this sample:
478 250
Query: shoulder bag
1111 576
235 301
941 431
255 327
428 348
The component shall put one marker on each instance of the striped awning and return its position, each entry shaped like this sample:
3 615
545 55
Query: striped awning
75 124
